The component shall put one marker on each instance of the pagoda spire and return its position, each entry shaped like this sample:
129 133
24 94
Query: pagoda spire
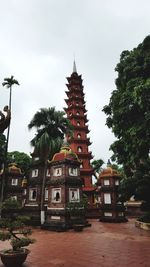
74 66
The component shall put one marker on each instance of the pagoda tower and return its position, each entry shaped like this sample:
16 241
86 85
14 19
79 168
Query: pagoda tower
79 142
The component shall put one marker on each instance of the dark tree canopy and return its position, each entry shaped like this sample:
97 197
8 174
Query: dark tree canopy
51 125
97 167
128 112
128 115
21 159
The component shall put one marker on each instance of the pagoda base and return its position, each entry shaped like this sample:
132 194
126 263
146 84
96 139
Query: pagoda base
55 226
59 220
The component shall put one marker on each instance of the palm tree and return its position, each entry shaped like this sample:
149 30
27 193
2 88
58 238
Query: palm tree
51 125
97 166
9 82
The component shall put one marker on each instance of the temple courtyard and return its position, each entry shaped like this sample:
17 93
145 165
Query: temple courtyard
101 245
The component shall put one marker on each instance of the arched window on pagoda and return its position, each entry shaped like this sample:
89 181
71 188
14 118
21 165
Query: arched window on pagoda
32 194
35 173
77 103
46 193
81 166
79 149
78 123
79 136
78 113
48 172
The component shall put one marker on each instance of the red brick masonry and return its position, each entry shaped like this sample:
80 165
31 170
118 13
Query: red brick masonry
102 245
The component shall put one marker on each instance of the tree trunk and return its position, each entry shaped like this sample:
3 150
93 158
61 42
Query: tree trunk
8 131
5 157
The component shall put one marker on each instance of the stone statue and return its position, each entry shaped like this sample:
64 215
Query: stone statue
4 119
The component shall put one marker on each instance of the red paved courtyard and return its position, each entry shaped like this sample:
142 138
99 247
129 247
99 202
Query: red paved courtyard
101 245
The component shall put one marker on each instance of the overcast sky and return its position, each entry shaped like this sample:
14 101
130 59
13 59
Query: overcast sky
38 41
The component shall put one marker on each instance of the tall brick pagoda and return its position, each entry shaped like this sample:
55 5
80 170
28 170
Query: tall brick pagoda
79 143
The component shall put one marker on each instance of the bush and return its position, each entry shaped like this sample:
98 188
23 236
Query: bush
14 229
145 218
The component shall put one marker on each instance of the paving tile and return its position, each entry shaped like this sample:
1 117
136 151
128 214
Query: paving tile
102 245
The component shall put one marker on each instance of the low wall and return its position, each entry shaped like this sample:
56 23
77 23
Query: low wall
142 225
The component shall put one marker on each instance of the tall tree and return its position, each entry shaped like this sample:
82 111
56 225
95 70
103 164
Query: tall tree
128 113
9 82
51 125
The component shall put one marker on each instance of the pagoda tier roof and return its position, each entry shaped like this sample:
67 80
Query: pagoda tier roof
74 116
72 86
75 92
75 98
75 86
88 188
81 141
74 76
81 128
75 107
84 155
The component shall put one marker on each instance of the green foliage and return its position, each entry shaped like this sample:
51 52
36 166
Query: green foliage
128 112
84 201
5 236
145 218
97 164
97 167
8 82
51 125
14 229
128 115
127 188
10 204
119 169
22 242
77 208
22 160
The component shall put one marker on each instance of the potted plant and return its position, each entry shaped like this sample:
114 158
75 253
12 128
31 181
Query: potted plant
13 228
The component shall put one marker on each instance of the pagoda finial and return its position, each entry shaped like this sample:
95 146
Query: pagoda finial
108 163
74 66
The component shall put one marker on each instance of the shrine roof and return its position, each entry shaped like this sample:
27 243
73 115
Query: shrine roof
13 168
109 171
65 153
